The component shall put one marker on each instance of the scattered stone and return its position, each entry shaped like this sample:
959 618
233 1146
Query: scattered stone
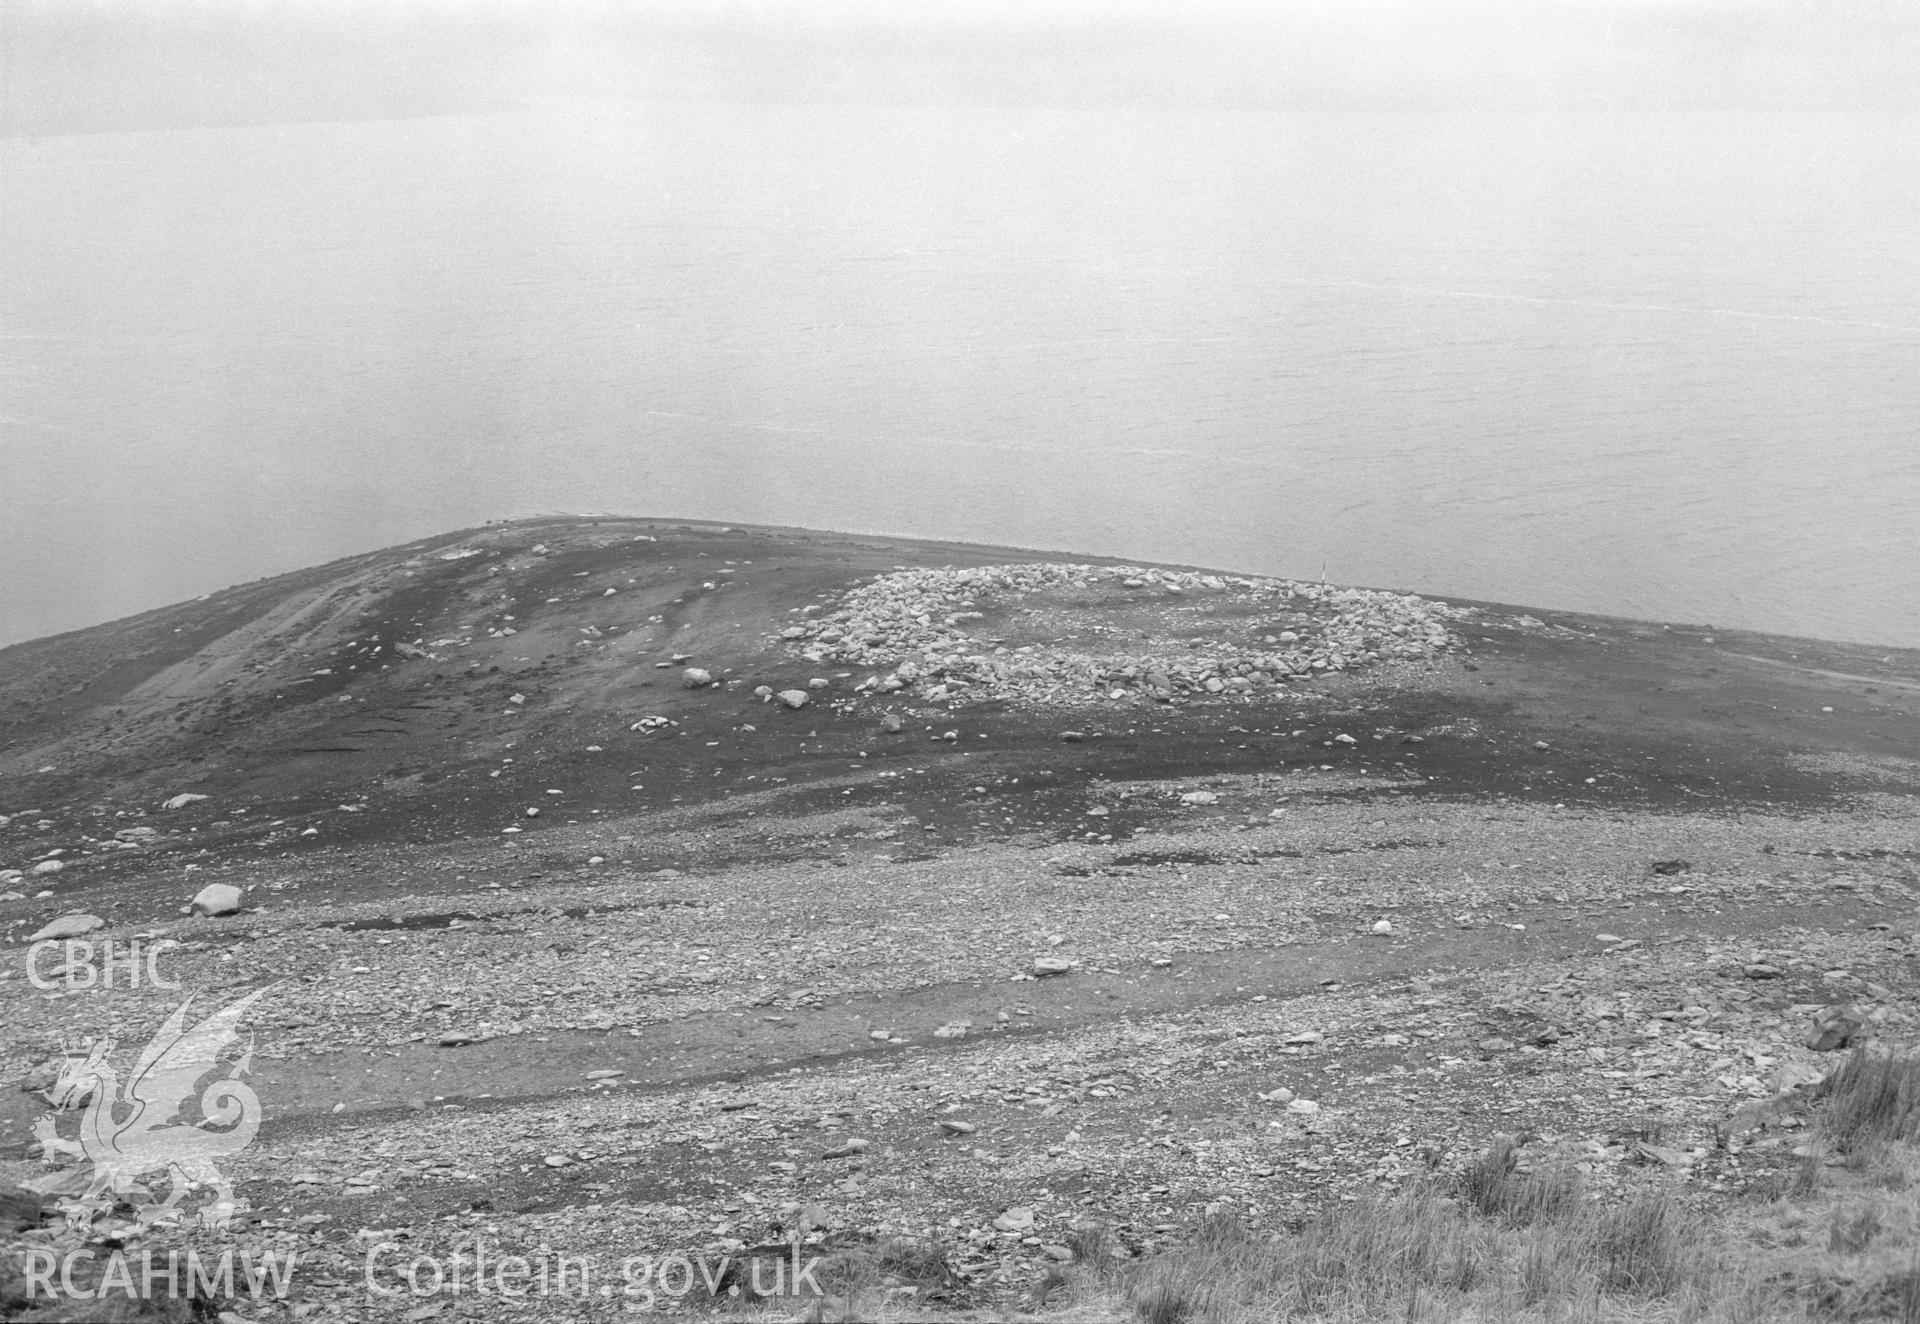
957 1128
1057 1253
1756 1113
68 926
1761 970
1073 737
819 683
848 1149
1018 1219
1383 927
1670 867
1045 966
182 800
1671 1158
1834 1028
1199 798
461 1038
795 698
892 724
1305 1037
695 678
557 1161
1795 1075
1496 1045
1302 1107
216 899
953 1030
605 1073
49 866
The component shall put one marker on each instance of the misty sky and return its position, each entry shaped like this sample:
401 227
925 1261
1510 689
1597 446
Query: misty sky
74 67
84 86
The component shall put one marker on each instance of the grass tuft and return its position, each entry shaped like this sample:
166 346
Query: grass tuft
1092 1245
1873 1101
1494 1185
1164 1303
1512 1245
1647 1247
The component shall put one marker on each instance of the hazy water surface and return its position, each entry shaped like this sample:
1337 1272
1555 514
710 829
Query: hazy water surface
1665 366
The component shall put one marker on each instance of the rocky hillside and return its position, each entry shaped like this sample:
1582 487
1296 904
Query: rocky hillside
622 885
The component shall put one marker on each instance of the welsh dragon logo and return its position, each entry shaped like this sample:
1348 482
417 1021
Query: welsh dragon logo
131 1129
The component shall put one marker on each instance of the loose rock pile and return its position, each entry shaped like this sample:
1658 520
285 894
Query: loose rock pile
912 624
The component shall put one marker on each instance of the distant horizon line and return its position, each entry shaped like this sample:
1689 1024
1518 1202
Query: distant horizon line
688 521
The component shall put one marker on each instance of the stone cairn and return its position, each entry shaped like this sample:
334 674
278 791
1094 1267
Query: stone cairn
909 625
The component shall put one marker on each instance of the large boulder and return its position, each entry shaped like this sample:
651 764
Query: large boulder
217 899
68 926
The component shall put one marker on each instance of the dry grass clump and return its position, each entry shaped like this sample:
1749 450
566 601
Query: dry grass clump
1843 1243
113 1307
1501 1244
1494 1185
880 1280
1872 1101
1422 1256
1838 1241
